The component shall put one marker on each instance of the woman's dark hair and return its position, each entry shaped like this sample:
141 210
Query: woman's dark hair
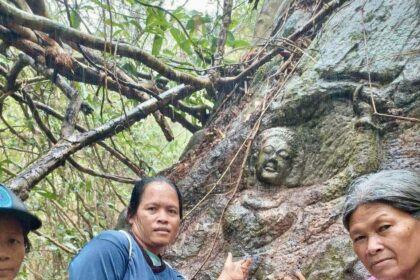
397 188
138 190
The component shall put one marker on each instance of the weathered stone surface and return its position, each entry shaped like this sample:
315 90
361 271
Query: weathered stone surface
327 104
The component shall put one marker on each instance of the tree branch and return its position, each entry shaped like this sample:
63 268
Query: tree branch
329 8
253 67
56 243
227 18
38 7
72 112
50 111
37 118
12 14
26 179
11 78
122 77
121 179
12 130
177 117
87 75
15 71
23 5
72 161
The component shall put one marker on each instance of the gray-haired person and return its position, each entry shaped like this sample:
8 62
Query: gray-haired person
382 215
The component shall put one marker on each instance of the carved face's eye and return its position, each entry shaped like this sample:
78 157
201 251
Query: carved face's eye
284 154
268 149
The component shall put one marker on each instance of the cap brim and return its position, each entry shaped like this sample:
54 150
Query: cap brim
30 221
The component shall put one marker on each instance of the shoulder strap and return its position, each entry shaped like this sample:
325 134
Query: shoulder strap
130 250
130 244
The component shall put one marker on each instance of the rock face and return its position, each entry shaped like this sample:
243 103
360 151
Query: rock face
317 133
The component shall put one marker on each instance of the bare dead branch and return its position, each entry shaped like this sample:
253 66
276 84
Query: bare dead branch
26 179
87 75
117 178
50 111
25 59
21 63
7 171
164 126
200 112
12 76
51 137
37 118
120 77
72 112
254 66
55 242
70 219
177 117
12 130
414 120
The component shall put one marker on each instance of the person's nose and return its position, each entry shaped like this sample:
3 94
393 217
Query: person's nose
4 256
375 245
163 217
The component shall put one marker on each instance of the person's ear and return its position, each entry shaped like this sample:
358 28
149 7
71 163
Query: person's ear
130 220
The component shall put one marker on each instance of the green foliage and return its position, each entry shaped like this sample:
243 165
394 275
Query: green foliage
75 19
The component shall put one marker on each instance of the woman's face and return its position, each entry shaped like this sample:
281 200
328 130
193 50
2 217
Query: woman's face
157 219
12 247
387 241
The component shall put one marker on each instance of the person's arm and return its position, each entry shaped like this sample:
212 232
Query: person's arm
99 259
235 270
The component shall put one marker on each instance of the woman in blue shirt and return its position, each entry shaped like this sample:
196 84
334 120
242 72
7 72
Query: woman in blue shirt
154 213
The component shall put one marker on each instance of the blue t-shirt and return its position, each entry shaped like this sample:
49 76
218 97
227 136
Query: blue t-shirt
107 257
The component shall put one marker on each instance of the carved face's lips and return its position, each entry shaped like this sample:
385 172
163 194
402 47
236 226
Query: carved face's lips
270 166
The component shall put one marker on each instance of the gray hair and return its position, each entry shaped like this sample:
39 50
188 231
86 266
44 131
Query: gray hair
397 188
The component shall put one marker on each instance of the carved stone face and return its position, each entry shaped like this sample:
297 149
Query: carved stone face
275 157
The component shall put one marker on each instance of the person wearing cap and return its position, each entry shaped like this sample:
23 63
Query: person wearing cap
15 223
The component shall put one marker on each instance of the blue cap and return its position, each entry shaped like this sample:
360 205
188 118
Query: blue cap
11 204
